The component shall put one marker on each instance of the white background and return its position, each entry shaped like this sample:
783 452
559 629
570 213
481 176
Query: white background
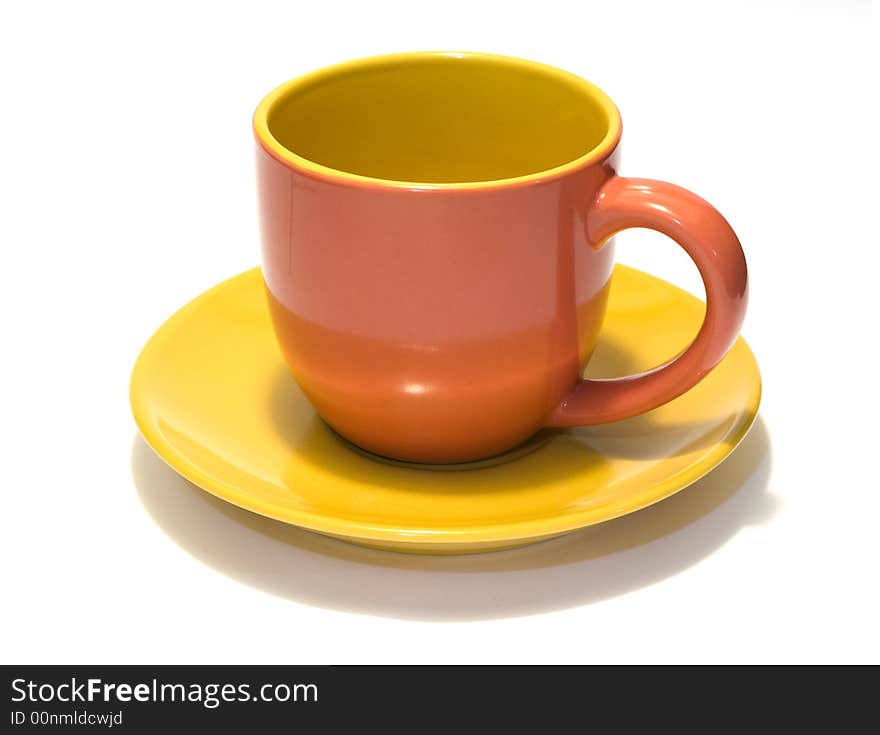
127 188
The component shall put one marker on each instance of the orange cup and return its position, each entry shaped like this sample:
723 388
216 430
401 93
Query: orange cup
437 251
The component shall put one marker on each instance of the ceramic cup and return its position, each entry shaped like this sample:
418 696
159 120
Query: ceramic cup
437 251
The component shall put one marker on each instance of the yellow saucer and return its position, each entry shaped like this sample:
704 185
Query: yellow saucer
213 398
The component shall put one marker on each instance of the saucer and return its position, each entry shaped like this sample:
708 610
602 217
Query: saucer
213 397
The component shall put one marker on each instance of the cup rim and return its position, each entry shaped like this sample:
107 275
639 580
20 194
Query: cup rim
274 148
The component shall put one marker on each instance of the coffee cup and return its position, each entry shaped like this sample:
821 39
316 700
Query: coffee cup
437 252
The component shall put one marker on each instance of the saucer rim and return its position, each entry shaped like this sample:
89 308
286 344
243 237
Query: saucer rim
476 534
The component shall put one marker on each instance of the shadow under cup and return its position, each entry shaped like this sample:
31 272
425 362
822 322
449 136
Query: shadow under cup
425 251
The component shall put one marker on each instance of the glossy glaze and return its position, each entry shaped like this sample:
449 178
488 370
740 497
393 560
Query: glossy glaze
212 395
436 251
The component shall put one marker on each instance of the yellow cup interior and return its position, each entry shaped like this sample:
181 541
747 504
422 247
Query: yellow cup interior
437 118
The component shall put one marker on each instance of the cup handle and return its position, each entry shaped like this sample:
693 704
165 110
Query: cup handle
707 237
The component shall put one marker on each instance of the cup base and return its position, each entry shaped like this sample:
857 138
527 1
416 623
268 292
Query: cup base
521 450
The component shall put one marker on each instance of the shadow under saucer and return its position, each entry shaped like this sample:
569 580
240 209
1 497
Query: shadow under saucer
583 567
